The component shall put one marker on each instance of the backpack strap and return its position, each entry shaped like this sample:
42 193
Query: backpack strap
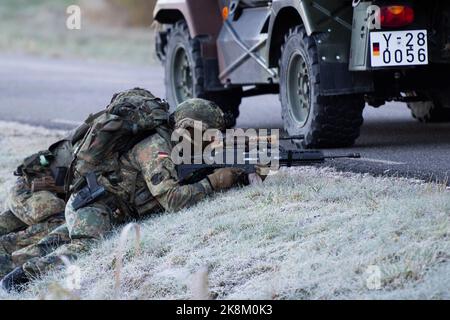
70 171
78 134
91 118
135 177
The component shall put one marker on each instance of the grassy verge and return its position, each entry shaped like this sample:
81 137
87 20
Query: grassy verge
39 27
306 233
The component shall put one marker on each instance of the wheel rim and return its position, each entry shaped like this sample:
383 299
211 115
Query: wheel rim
182 79
298 87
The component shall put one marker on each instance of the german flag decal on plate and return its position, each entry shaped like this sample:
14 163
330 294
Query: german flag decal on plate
376 49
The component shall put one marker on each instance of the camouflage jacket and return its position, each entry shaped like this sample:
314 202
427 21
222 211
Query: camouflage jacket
148 179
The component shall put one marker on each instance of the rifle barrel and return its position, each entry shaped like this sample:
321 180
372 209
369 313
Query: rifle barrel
345 156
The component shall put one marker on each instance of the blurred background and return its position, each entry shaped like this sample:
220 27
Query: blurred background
53 77
112 30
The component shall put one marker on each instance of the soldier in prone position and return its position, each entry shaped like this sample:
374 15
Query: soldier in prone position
143 181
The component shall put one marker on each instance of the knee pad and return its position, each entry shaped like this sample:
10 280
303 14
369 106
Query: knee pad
41 206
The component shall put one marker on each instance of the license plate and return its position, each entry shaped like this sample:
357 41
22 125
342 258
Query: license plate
399 48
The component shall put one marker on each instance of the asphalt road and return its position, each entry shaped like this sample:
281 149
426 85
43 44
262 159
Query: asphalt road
61 93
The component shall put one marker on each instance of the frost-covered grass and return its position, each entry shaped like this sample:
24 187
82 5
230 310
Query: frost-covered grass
306 233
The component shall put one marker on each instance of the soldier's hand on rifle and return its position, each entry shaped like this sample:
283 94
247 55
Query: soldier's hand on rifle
260 175
225 178
262 171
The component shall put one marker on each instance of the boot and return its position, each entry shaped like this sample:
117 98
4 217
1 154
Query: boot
15 280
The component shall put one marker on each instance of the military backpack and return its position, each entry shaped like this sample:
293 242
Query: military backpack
129 118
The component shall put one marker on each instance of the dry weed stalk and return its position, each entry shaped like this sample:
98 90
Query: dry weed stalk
120 251
200 285
57 292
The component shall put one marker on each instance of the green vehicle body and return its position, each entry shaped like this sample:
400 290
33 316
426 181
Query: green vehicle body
253 47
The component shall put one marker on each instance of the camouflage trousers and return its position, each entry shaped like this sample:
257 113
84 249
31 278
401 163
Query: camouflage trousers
32 217
32 207
17 248
85 227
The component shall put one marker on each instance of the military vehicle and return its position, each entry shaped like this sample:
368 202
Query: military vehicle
326 59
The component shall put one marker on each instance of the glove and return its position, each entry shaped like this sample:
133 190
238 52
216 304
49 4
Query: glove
225 178
262 171
259 176
14 280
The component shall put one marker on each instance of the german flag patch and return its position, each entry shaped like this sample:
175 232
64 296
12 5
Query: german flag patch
162 155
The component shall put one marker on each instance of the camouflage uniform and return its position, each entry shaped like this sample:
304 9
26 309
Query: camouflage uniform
148 184
157 189
32 216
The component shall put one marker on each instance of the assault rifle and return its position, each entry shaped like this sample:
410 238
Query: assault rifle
192 173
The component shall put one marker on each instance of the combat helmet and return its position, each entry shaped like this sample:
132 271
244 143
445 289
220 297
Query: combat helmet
207 112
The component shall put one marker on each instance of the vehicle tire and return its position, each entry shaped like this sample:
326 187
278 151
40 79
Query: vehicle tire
325 122
432 111
184 74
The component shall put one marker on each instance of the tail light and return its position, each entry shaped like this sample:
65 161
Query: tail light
225 13
396 16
